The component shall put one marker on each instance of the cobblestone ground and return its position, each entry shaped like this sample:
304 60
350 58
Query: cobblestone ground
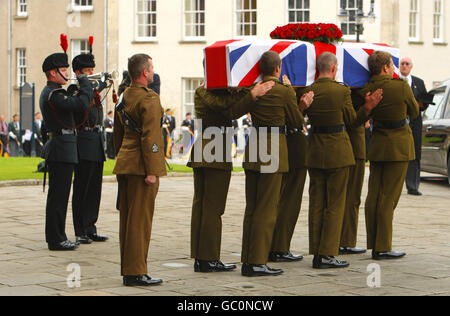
421 229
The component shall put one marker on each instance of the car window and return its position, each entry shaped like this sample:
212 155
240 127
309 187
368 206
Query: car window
447 110
434 111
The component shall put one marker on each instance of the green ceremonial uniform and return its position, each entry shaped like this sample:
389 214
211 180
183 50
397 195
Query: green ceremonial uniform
292 187
355 180
391 149
212 177
277 109
329 157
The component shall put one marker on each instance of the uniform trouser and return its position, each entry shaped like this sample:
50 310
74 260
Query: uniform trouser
110 153
14 148
354 188
137 205
288 209
60 181
262 192
327 195
413 175
87 192
385 188
210 196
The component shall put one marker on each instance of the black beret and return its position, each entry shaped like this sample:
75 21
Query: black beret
55 61
83 61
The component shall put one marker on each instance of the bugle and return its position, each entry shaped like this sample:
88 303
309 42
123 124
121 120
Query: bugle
102 76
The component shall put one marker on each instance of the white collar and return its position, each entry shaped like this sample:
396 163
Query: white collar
407 78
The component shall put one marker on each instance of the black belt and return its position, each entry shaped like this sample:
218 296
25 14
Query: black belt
61 132
96 129
389 124
294 131
281 129
328 129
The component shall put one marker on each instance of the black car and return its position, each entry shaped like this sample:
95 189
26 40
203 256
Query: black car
436 133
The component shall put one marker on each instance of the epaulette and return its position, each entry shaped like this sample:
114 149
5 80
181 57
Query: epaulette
56 91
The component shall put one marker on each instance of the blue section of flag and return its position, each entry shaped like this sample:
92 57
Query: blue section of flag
396 61
355 75
236 54
295 66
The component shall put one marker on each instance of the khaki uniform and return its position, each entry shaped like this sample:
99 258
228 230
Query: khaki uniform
389 154
275 109
292 187
355 181
329 157
212 179
137 157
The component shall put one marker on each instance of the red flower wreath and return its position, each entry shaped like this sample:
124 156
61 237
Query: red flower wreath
309 32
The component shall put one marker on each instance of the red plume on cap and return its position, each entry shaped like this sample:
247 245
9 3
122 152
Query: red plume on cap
64 43
91 42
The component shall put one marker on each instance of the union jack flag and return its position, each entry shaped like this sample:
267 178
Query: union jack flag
235 63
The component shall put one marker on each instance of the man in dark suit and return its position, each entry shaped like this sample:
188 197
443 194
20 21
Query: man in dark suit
187 127
168 128
38 133
14 136
418 87
109 129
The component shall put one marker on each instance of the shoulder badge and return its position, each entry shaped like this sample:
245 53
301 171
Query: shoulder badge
155 148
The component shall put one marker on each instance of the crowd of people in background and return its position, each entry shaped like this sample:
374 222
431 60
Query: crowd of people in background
17 142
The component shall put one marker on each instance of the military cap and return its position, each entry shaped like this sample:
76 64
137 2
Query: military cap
55 61
83 61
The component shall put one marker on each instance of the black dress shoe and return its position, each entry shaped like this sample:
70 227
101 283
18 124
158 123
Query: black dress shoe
63 246
98 238
84 240
328 262
351 251
140 280
284 257
212 266
414 192
387 255
252 270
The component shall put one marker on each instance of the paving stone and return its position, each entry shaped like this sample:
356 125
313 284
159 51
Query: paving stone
421 228
29 290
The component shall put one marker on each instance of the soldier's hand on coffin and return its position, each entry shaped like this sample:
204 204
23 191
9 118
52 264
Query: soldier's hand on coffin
372 100
149 180
306 100
261 89
286 80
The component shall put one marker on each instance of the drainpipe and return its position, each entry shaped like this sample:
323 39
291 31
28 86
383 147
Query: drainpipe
105 44
9 58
